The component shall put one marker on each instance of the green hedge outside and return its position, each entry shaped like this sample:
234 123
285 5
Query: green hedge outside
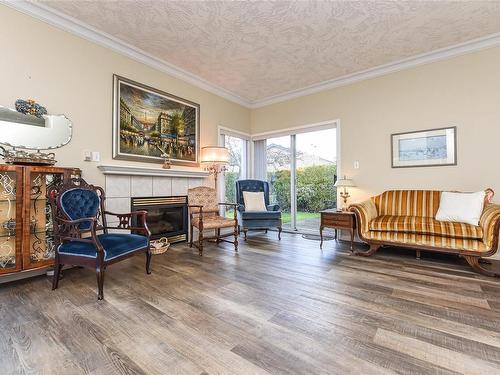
315 188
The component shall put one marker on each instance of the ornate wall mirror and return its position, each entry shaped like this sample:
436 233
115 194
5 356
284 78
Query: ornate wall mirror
25 132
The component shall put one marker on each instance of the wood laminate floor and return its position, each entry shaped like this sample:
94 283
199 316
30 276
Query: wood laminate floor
276 307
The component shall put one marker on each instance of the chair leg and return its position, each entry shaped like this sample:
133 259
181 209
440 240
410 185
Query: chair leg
245 233
279 233
100 283
418 255
266 230
236 239
191 236
218 236
200 242
148 261
57 274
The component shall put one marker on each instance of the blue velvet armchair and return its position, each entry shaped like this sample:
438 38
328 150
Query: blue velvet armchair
81 233
257 219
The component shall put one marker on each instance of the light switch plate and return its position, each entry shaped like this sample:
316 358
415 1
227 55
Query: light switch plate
356 164
96 156
87 155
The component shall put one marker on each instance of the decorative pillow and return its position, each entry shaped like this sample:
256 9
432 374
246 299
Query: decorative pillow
254 201
461 207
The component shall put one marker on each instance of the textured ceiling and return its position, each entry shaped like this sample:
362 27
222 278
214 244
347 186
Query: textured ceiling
260 49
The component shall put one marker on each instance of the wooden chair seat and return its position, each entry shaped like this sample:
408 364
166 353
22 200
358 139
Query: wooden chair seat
214 222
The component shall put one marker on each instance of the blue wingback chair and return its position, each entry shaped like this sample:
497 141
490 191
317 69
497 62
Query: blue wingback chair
257 220
78 216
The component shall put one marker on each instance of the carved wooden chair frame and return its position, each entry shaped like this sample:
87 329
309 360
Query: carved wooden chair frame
67 230
218 237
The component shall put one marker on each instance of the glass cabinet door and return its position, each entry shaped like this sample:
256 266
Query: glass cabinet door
39 237
10 218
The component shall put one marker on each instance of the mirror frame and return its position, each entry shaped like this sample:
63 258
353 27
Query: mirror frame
63 143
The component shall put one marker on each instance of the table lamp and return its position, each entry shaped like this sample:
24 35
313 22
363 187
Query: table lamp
215 158
344 183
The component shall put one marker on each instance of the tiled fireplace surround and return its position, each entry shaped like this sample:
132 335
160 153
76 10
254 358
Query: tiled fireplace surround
120 188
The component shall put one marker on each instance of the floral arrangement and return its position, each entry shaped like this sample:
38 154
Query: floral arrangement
30 107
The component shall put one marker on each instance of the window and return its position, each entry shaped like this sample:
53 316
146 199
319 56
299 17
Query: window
237 168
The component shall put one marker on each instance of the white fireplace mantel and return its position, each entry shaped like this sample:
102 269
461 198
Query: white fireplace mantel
151 171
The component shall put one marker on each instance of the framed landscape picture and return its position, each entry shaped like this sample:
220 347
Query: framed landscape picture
149 124
424 148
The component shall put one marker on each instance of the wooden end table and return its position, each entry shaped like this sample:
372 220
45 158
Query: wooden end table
337 220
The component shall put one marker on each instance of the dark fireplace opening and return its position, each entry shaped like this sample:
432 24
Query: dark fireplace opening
167 216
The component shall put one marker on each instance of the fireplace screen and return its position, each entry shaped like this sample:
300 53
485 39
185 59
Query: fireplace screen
167 216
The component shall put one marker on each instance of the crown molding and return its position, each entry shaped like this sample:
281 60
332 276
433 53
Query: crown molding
81 29
407 63
74 26
151 171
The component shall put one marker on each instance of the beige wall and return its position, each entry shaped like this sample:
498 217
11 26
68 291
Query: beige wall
463 92
70 75
73 76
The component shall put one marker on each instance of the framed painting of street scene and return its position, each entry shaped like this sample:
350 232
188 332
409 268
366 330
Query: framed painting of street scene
149 125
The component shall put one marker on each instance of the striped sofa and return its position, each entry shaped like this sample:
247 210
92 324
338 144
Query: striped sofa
407 218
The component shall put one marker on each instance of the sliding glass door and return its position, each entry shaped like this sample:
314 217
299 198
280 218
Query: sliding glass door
301 170
278 160
315 177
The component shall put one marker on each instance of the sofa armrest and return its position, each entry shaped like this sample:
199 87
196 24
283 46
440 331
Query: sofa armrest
273 207
490 223
365 211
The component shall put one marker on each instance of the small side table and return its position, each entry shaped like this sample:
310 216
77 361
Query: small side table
337 220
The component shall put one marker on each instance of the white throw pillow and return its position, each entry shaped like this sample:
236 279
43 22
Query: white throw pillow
254 201
461 207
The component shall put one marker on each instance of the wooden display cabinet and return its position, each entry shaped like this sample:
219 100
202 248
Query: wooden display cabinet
26 240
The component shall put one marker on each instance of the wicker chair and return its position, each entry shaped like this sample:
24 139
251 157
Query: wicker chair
204 215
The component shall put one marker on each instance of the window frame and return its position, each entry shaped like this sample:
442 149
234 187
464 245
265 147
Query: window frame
247 166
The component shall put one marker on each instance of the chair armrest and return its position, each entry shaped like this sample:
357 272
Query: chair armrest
72 227
228 204
490 223
124 222
365 211
199 213
130 214
76 221
70 231
233 205
273 207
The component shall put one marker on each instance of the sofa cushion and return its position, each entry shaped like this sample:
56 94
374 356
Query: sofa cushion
114 245
423 203
425 225
427 240
461 207
254 201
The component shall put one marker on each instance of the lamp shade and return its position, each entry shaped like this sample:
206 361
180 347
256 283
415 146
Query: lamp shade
345 182
215 155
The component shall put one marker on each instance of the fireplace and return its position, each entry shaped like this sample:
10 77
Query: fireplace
167 216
